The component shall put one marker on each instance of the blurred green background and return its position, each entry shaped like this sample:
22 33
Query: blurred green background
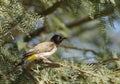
91 54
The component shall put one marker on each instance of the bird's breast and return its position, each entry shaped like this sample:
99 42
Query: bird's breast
47 54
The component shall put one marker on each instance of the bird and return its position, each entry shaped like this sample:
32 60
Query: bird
41 51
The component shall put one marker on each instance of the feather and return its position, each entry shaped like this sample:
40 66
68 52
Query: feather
32 57
40 48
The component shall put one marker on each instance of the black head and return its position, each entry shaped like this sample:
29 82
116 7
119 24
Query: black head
57 39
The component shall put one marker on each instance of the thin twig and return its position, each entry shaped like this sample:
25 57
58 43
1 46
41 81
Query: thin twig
49 64
82 49
89 73
118 69
33 34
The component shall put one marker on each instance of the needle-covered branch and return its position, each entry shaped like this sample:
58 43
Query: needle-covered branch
28 70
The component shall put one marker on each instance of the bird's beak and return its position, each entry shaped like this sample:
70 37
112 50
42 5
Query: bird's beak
65 38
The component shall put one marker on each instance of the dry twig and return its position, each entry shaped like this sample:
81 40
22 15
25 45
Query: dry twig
76 48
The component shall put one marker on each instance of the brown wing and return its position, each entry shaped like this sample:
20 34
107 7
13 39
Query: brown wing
42 47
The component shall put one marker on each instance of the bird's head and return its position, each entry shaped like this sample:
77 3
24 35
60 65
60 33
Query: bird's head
57 39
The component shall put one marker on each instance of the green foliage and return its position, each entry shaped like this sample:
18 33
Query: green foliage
95 62
70 73
14 18
73 74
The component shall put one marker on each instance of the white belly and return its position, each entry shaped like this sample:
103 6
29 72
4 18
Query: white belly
46 54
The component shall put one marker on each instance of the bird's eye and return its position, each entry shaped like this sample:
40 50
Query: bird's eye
59 38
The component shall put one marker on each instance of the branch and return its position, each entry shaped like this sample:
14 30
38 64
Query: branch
33 34
49 64
45 12
11 26
82 49
93 74
87 19
78 22
89 73
28 69
52 8
71 24
118 69
36 32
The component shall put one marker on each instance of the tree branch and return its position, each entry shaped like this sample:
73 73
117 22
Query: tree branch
77 22
49 64
82 49
34 33
89 73
45 12
118 69
28 69
87 19
52 8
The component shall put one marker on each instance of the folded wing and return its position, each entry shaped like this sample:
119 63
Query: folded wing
40 48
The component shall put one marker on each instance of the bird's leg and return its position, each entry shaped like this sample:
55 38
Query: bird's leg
46 61
50 64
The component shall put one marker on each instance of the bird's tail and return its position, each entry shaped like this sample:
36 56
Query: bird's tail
32 57
16 67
